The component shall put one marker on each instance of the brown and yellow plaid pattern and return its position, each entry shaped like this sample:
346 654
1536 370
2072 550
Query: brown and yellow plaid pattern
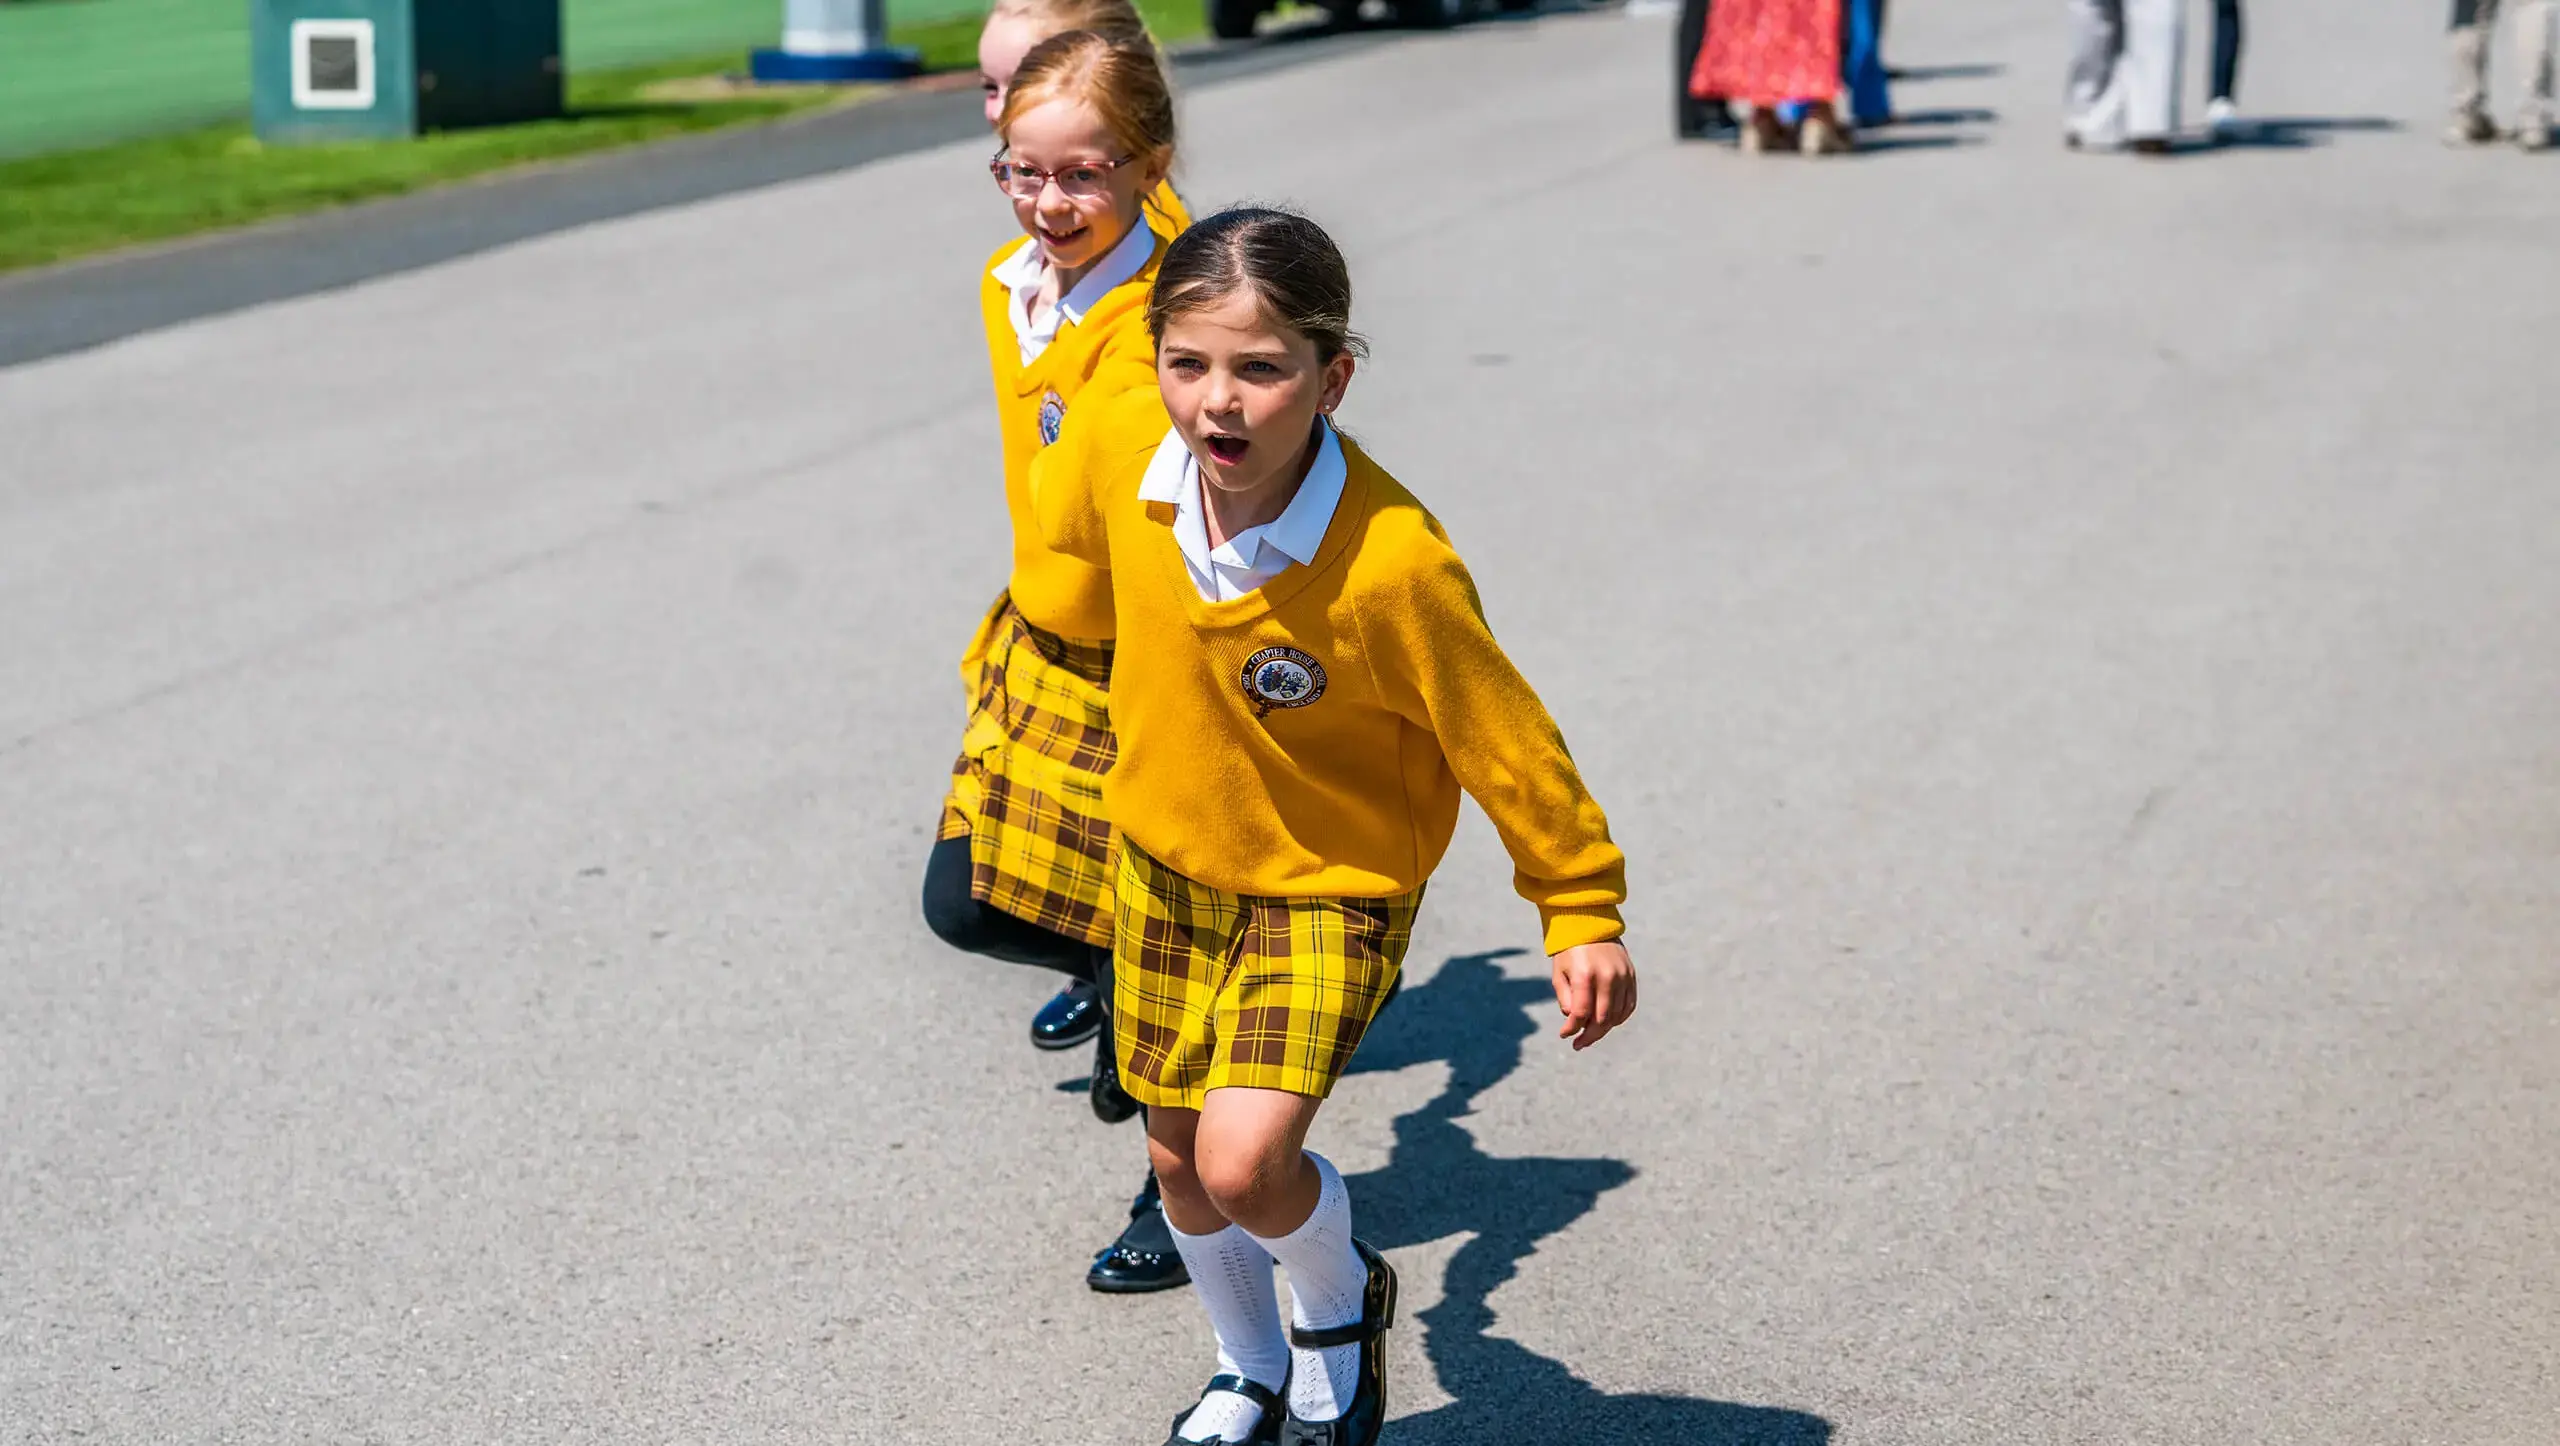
1212 990
1027 788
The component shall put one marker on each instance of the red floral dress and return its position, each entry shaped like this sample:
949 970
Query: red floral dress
1769 52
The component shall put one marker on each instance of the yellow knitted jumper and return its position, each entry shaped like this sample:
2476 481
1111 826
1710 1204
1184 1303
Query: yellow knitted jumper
1311 738
1105 353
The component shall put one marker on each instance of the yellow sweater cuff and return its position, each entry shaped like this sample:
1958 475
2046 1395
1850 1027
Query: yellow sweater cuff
1572 928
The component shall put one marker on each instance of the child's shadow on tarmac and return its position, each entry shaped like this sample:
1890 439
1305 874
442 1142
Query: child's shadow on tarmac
1439 1183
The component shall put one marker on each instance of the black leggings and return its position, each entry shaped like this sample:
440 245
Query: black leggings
960 920
2226 49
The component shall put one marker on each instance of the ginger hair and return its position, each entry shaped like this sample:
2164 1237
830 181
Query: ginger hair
1124 83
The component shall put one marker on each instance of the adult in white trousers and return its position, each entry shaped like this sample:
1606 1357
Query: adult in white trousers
2537 41
2125 58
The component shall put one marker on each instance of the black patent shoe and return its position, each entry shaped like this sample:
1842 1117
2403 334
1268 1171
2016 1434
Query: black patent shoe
1699 119
1111 1104
1359 1423
1143 1259
1068 1020
1265 1434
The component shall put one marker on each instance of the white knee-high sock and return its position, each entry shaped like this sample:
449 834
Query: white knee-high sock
1231 1274
1328 1282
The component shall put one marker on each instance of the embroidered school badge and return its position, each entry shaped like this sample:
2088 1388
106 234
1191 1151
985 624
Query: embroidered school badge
1281 678
1053 415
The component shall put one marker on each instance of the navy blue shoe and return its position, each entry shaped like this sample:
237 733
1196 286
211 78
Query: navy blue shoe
1068 1020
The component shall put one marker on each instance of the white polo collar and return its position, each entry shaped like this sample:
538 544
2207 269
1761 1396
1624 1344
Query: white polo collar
1022 272
1298 532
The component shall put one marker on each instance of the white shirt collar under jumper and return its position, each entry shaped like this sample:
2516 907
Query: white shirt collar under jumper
1022 272
1244 562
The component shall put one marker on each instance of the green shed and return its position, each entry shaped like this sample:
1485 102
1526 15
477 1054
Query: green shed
343 70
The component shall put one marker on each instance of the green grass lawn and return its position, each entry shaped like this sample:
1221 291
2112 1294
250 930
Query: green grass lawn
76 203
56 207
81 73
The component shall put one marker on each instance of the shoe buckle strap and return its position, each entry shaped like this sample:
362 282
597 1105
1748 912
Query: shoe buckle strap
1252 1390
1325 1339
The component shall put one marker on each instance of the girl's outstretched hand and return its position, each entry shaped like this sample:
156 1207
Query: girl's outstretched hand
1596 988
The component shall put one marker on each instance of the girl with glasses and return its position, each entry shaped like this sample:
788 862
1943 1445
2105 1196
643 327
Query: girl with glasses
1019 868
1014 26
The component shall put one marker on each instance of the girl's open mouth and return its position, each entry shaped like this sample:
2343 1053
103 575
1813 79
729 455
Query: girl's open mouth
1227 450
1058 240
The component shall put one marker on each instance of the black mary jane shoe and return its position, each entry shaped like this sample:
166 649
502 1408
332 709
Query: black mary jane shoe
1360 1423
1068 1020
1143 1259
1264 1434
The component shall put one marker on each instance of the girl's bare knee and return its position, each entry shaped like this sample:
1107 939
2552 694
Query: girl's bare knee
1239 1176
1175 1168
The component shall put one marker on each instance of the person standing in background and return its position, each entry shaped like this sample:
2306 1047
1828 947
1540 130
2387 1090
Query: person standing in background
2124 75
1782 59
2222 115
1695 117
1862 63
1012 28
2537 38
1018 868
1862 71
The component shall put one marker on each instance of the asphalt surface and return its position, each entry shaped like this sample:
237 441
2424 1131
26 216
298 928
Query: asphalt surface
2068 642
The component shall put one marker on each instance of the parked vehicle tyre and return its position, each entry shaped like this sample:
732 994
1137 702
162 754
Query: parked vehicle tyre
1233 19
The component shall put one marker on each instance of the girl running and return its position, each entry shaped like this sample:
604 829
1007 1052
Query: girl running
1305 684
1012 28
1020 866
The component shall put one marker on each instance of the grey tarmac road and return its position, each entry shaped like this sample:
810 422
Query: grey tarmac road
2070 646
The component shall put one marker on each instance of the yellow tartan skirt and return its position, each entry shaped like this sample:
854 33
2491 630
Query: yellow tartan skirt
1211 990
1026 790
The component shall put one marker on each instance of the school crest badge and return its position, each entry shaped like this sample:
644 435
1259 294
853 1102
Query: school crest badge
1053 415
1281 678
